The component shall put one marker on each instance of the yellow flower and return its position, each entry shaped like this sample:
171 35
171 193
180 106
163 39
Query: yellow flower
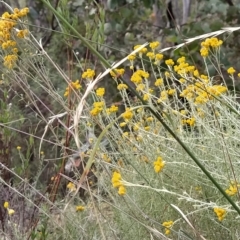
119 72
154 45
127 115
122 124
10 211
204 52
149 119
136 78
169 62
18 148
233 188
10 60
171 92
75 85
167 74
122 86
150 55
89 74
79 208
220 212
158 56
189 121
22 33
71 186
146 97
143 50
147 128
158 165
116 179
100 92
167 226
113 109
231 70
121 190
159 82
6 205
181 60
132 57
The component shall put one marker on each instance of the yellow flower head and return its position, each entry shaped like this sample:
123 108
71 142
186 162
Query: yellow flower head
6 205
121 190
158 56
11 211
127 115
158 165
89 74
231 70
116 179
159 82
204 52
79 208
220 212
169 62
167 226
132 57
122 86
154 45
117 72
100 92
150 55
143 50
71 186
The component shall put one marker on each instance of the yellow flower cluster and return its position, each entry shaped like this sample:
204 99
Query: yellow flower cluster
7 23
154 45
150 55
189 121
159 82
220 212
142 51
127 115
209 43
169 62
132 57
6 206
158 165
80 208
138 76
100 92
72 85
89 74
231 70
22 33
119 72
71 186
233 188
200 93
117 183
167 226
97 108
122 86
112 109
